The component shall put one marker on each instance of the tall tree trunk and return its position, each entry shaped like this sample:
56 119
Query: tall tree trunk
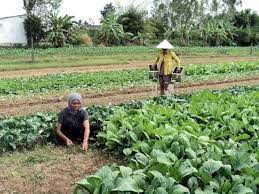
32 50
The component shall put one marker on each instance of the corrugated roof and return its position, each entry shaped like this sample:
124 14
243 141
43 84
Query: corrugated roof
13 16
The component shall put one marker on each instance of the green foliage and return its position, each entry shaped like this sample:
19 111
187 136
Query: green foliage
88 51
248 24
132 21
184 145
246 19
79 38
198 70
111 32
74 81
34 28
108 9
142 38
29 5
41 8
120 50
218 31
244 37
192 144
61 29
110 180
160 20
177 20
183 22
26 131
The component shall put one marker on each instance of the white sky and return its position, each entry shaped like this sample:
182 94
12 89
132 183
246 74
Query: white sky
85 9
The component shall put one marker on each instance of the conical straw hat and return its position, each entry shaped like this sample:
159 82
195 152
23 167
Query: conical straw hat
165 45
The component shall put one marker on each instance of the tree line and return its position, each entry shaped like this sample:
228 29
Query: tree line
183 22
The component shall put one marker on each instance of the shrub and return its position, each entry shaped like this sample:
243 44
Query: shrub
86 39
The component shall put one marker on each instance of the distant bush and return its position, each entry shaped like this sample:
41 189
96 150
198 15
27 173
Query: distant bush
81 38
86 39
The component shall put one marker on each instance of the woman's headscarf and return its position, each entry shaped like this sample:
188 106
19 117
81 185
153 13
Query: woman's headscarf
74 96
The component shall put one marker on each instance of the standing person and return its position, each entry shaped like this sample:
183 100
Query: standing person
73 122
164 63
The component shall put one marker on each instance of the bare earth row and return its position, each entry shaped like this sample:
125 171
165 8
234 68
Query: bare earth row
53 103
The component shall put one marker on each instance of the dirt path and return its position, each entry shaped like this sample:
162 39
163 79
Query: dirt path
49 169
30 106
131 65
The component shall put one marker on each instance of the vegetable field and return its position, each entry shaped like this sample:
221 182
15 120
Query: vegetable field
115 79
200 142
206 143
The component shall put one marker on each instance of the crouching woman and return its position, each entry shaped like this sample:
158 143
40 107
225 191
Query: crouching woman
73 122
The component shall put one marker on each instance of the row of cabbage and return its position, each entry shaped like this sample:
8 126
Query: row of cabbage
27 131
100 51
118 79
204 144
80 51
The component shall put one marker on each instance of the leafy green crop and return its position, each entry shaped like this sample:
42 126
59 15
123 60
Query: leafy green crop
90 51
204 144
221 68
84 51
98 80
26 131
115 79
201 143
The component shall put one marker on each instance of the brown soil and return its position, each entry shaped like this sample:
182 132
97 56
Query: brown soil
53 104
131 65
40 173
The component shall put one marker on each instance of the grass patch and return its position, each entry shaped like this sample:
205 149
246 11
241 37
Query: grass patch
11 63
36 176
41 154
61 166
18 59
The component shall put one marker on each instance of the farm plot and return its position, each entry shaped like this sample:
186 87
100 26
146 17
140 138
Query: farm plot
126 66
205 142
48 93
115 79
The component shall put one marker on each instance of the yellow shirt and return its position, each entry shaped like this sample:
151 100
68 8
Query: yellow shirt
168 59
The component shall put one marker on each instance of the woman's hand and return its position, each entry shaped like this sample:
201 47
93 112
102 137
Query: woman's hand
68 142
85 145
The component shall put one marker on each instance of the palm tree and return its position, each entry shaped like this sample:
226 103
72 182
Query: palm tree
185 34
218 30
143 38
61 29
215 32
111 31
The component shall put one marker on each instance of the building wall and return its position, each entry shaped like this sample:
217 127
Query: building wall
12 30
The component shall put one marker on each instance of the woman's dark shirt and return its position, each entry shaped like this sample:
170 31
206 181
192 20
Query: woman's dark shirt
72 123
